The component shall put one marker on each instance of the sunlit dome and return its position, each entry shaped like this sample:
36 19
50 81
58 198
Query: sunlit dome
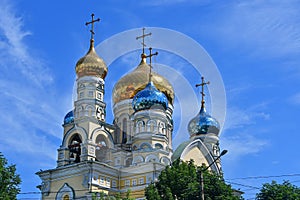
91 64
203 123
129 85
149 98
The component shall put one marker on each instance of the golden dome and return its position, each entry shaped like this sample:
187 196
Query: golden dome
137 80
91 64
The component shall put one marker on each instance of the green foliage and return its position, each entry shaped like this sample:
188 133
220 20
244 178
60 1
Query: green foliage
182 181
9 180
276 191
103 196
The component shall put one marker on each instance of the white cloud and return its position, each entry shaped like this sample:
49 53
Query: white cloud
263 28
238 118
295 99
29 114
14 50
242 144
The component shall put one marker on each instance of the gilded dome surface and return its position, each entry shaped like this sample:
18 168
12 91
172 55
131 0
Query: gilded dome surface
91 64
203 123
129 85
149 98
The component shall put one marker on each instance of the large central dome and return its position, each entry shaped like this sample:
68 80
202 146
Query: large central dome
137 80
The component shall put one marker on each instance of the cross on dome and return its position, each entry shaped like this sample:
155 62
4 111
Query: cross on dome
92 22
143 37
202 84
150 56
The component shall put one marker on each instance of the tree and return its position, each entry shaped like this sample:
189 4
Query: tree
9 180
276 191
182 181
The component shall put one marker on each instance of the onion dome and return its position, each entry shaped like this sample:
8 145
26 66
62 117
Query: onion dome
91 64
149 98
203 123
129 85
69 118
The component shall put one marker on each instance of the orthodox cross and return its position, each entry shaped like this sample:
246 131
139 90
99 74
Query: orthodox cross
202 84
150 56
143 37
92 22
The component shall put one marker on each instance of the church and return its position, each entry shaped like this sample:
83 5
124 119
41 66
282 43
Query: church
128 154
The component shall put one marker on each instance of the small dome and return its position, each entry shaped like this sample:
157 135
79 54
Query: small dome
203 123
148 98
91 64
135 81
69 118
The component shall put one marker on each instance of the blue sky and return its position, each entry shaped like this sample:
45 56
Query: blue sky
254 44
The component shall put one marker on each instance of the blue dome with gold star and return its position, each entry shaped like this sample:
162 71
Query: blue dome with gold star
203 123
149 97
69 118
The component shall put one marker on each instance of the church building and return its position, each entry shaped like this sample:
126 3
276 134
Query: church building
130 152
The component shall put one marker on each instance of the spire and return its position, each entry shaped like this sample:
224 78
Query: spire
143 42
202 84
92 29
150 56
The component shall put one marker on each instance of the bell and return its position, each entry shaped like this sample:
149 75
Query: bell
72 155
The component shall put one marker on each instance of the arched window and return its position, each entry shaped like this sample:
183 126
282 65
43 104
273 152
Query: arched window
145 147
128 162
124 131
151 125
139 127
158 146
101 149
89 111
75 148
162 128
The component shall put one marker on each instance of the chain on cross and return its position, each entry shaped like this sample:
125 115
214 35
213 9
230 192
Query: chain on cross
202 84
143 39
92 22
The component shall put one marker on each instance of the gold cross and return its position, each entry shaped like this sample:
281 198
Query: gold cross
202 90
143 36
150 56
92 22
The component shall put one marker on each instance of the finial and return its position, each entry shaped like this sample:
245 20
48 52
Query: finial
150 56
143 37
92 22
202 84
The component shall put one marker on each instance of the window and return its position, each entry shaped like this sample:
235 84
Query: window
102 148
108 182
114 184
101 181
91 94
127 183
134 182
124 131
99 96
141 181
81 94
75 148
66 197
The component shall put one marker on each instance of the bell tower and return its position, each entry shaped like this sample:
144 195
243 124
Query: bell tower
91 71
